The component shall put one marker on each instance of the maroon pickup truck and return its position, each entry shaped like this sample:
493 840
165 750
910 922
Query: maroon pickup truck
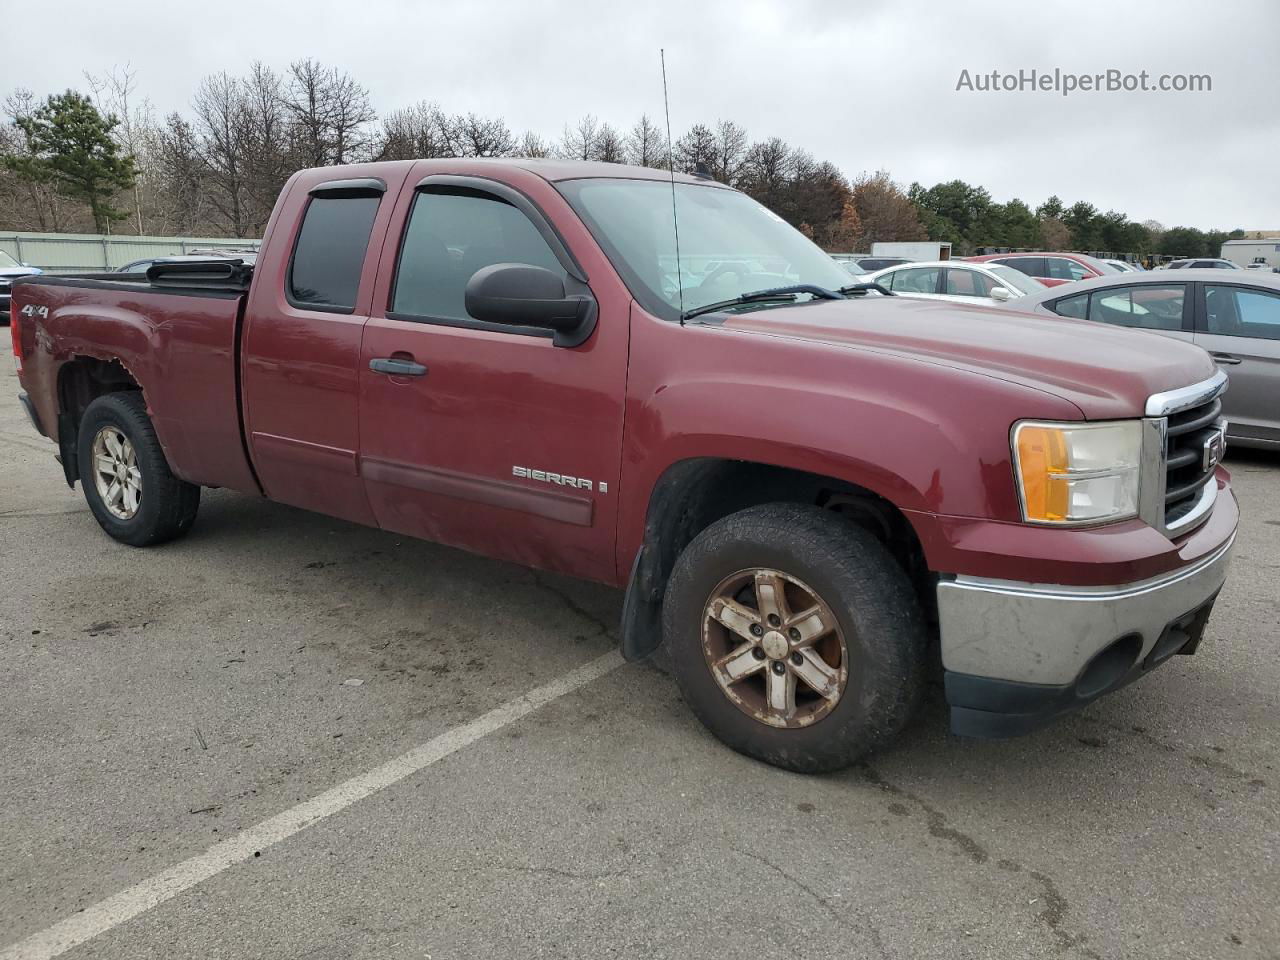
811 493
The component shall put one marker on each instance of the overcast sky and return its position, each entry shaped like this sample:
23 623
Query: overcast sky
867 85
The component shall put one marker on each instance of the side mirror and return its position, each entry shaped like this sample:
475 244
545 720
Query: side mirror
1000 293
522 295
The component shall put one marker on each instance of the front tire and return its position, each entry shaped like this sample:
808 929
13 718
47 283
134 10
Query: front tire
795 636
127 482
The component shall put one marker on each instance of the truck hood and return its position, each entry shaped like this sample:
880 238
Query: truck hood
1108 372
7 273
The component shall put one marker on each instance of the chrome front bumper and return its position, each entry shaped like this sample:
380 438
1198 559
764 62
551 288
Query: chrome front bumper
1047 634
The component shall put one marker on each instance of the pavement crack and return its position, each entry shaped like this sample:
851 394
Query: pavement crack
603 629
936 820
837 917
1056 906
795 881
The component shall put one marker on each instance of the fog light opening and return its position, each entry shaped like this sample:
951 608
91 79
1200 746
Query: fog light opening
1109 666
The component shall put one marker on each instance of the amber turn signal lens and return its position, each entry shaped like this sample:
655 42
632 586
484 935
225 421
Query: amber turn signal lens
1042 459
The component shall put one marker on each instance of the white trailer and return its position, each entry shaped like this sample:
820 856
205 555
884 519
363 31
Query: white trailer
1247 251
923 252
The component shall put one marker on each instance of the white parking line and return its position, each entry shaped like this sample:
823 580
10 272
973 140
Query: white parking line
154 891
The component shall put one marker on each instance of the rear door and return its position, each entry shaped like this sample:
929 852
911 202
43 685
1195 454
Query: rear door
1240 327
499 442
301 345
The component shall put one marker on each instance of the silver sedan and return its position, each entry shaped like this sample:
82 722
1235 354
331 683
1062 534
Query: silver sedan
1235 315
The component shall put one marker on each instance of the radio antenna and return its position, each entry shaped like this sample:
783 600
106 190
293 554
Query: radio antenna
671 161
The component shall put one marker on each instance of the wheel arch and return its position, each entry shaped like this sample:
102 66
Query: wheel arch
81 380
693 493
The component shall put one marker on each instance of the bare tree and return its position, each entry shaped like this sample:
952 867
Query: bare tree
417 132
610 146
473 136
180 175
581 141
767 172
646 144
222 128
113 94
331 111
271 141
532 145
729 152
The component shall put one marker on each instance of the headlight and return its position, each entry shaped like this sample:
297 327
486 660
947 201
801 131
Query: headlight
1077 472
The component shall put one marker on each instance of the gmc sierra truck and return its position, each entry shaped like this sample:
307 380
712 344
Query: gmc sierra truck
811 492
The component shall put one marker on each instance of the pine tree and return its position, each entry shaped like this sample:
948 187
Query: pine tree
73 152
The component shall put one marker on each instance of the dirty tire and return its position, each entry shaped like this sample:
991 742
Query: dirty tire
862 585
167 506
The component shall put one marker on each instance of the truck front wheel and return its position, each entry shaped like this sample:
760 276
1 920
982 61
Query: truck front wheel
127 482
795 636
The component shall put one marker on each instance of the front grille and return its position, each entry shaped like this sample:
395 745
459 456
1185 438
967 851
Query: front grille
1188 432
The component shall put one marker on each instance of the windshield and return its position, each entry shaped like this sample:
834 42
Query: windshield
8 261
729 244
1016 279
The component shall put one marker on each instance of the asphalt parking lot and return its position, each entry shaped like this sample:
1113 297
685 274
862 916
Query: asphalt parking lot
321 698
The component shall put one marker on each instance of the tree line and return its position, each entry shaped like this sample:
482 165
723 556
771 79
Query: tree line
103 161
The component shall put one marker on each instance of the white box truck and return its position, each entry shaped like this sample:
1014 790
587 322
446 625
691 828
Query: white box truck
922 251
1253 250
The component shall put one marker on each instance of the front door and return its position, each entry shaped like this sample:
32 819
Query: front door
484 436
1240 327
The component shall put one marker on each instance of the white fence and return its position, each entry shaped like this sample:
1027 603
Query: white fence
92 253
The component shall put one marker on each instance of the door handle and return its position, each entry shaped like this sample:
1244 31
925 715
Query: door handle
1225 358
397 368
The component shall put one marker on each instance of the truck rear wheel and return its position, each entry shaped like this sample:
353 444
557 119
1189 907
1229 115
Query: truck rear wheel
127 482
795 636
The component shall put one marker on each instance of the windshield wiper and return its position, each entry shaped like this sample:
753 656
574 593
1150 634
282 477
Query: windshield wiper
761 296
864 287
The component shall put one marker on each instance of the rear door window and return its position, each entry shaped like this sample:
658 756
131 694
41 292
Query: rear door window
1240 312
967 283
328 257
1149 306
1031 266
1060 268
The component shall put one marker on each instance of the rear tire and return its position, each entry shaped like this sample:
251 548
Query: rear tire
763 684
127 482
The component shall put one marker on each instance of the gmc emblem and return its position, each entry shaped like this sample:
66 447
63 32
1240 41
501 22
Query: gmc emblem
1215 445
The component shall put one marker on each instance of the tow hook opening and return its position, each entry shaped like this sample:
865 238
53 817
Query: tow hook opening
1109 666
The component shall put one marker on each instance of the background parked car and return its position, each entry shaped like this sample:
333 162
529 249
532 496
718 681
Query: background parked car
1235 316
1124 266
1203 263
9 269
861 265
957 280
140 266
1051 269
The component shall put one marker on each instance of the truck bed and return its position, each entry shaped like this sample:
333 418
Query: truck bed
177 339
